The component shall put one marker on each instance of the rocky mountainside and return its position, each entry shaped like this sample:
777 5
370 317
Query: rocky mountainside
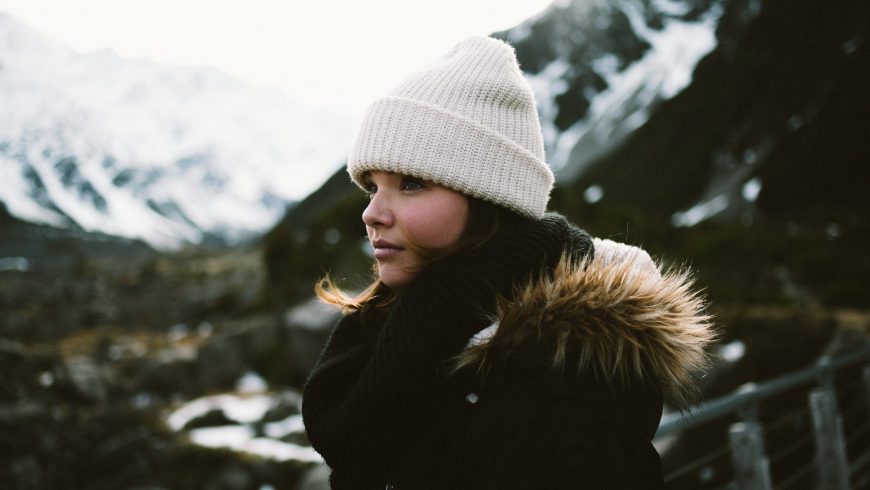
772 124
133 148
600 69
718 131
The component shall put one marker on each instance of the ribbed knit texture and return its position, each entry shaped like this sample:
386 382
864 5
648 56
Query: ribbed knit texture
369 397
468 121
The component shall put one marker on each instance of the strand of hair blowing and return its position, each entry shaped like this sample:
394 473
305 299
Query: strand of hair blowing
362 405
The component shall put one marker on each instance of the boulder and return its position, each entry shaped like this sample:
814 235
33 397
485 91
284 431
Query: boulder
307 328
85 378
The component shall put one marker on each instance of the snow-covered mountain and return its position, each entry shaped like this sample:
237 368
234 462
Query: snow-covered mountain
134 148
599 69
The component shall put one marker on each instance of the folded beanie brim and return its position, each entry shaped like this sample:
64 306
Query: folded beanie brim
412 137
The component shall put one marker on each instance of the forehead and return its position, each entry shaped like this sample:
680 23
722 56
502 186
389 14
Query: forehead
384 174
370 173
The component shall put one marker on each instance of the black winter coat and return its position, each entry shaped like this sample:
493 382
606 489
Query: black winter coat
564 389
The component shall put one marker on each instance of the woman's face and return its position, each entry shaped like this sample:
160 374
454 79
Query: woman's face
404 213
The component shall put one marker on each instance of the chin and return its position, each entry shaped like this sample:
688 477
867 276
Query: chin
395 279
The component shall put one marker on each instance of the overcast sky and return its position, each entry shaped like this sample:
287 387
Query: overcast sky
338 53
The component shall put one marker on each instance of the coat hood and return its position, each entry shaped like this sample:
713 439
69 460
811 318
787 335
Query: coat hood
614 315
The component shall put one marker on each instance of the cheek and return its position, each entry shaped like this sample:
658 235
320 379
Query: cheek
439 223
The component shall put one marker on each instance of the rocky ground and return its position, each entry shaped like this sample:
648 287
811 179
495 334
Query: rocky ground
128 368
102 342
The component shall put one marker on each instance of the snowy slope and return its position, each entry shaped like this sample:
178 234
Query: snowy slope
615 61
137 149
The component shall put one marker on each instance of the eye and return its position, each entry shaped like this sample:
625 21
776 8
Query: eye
412 184
369 189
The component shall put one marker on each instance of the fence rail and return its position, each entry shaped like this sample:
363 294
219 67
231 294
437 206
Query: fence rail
825 439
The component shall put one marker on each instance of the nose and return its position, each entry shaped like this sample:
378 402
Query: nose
378 213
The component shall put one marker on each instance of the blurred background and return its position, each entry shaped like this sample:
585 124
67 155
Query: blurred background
172 186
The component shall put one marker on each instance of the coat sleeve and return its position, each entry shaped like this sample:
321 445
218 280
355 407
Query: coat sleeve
368 395
345 356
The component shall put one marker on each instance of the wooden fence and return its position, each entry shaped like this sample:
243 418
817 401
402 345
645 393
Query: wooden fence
807 429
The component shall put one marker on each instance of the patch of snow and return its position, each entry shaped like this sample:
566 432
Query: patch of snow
700 212
751 189
15 194
548 84
251 382
732 177
313 315
282 451
277 430
593 194
732 351
231 436
673 8
241 438
177 332
20 264
242 409
247 410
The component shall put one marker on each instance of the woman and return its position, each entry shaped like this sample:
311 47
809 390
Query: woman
499 346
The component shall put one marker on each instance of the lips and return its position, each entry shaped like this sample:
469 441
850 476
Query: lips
385 249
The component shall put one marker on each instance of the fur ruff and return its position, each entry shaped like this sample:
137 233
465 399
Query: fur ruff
618 321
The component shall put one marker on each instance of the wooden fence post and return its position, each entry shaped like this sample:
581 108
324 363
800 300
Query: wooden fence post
748 412
826 380
865 373
751 468
833 466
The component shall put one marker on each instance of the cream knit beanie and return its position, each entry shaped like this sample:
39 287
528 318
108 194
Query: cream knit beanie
468 122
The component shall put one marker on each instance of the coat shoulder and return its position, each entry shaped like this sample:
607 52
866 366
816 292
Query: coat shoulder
616 315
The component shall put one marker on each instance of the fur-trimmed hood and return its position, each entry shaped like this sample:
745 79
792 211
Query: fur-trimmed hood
614 315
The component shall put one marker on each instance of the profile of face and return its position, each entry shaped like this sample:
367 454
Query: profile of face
406 214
